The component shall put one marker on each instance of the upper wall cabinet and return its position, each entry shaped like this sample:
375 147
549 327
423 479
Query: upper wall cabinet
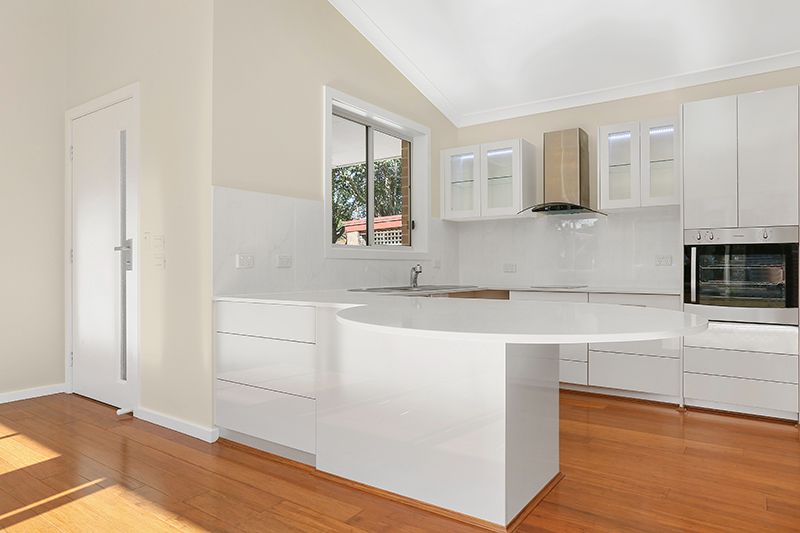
487 181
768 140
637 164
740 157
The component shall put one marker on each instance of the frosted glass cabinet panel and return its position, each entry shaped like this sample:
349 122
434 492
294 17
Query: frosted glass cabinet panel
461 176
619 165
500 165
490 180
659 150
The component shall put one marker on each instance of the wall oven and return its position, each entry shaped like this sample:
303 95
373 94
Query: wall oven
742 274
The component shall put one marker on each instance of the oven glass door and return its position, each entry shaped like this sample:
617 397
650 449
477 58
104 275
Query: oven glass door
742 275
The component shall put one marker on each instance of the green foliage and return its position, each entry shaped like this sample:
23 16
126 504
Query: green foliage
350 192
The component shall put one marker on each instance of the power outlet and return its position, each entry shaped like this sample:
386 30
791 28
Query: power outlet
663 260
283 261
245 261
509 268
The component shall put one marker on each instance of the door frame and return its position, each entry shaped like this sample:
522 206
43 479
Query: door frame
129 92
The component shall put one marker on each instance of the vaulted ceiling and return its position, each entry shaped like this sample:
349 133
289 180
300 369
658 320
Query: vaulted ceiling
485 60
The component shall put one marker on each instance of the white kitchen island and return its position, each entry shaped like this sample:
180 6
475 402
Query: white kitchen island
448 402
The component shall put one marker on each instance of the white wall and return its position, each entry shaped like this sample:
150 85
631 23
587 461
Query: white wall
167 48
267 225
32 68
618 251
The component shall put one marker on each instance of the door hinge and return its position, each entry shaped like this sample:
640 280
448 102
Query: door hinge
71 358
71 152
71 255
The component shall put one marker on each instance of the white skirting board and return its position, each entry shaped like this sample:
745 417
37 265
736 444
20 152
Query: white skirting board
207 434
34 392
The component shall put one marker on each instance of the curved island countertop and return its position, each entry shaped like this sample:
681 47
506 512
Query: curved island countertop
521 322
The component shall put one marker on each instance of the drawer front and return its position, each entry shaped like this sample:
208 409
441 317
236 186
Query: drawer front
656 375
744 392
284 366
573 352
542 296
289 322
281 418
573 372
661 348
747 337
750 365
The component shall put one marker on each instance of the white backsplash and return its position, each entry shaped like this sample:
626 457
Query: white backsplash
267 226
618 251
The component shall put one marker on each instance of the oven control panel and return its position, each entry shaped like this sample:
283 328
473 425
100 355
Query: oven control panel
775 234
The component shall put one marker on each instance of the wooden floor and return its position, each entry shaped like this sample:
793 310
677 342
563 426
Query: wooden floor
68 464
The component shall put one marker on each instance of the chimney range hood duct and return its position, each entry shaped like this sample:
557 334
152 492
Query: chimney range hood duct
566 174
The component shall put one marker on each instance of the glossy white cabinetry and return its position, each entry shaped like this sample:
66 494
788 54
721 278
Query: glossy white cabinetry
641 373
461 177
638 164
266 372
619 174
490 180
751 368
710 163
284 419
573 357
768 157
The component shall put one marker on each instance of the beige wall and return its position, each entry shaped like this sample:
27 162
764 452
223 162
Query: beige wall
166 47
271 59
658 105
31 194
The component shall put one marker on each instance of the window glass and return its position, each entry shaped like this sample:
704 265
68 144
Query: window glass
349 182
392 190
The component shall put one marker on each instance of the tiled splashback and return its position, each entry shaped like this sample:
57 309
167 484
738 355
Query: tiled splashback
620 250
267 226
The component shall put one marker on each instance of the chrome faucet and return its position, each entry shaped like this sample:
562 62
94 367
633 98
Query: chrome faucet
416 270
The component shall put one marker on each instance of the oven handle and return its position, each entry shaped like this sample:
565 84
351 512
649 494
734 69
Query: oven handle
693 279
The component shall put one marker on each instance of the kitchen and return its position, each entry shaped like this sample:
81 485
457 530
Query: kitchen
419 298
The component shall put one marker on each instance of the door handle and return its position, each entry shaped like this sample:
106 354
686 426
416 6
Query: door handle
127 253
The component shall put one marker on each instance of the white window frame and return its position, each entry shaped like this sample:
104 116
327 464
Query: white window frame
420 179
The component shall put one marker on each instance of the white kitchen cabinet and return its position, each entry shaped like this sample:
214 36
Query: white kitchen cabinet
567 352
640 373
619 172
490 180
574 372
768 338
768 156
740 394
710 190
277 321
738 364
461 173
659 163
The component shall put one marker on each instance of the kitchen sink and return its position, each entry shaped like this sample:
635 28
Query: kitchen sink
419 288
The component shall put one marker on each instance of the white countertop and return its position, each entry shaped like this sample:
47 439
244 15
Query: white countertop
522 322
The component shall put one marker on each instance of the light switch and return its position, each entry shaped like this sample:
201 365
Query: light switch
663 260
283 261
509 268
245 261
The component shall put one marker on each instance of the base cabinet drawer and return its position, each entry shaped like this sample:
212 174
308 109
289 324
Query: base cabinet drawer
573 352
654 375
737 364
281 418
747 337
289 322
574 372
742 392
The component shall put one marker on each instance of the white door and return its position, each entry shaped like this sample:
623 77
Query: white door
501 178
768 138
103 227
709 164
619 161
659 149
461 182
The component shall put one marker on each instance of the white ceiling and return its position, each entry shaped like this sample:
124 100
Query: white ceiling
484 60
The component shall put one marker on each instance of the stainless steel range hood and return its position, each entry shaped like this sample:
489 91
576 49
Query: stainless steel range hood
566 174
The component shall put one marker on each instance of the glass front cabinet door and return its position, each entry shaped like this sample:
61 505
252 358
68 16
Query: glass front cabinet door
461 180
501 183
659 149
618 157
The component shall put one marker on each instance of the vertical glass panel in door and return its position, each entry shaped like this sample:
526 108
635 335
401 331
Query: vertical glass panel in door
349 182
462 182
619 165
662 161
391 167
499 178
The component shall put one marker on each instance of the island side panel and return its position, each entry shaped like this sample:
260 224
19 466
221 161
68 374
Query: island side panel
532 458
417 416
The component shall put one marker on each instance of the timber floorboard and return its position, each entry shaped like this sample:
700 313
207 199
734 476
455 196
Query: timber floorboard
69 464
